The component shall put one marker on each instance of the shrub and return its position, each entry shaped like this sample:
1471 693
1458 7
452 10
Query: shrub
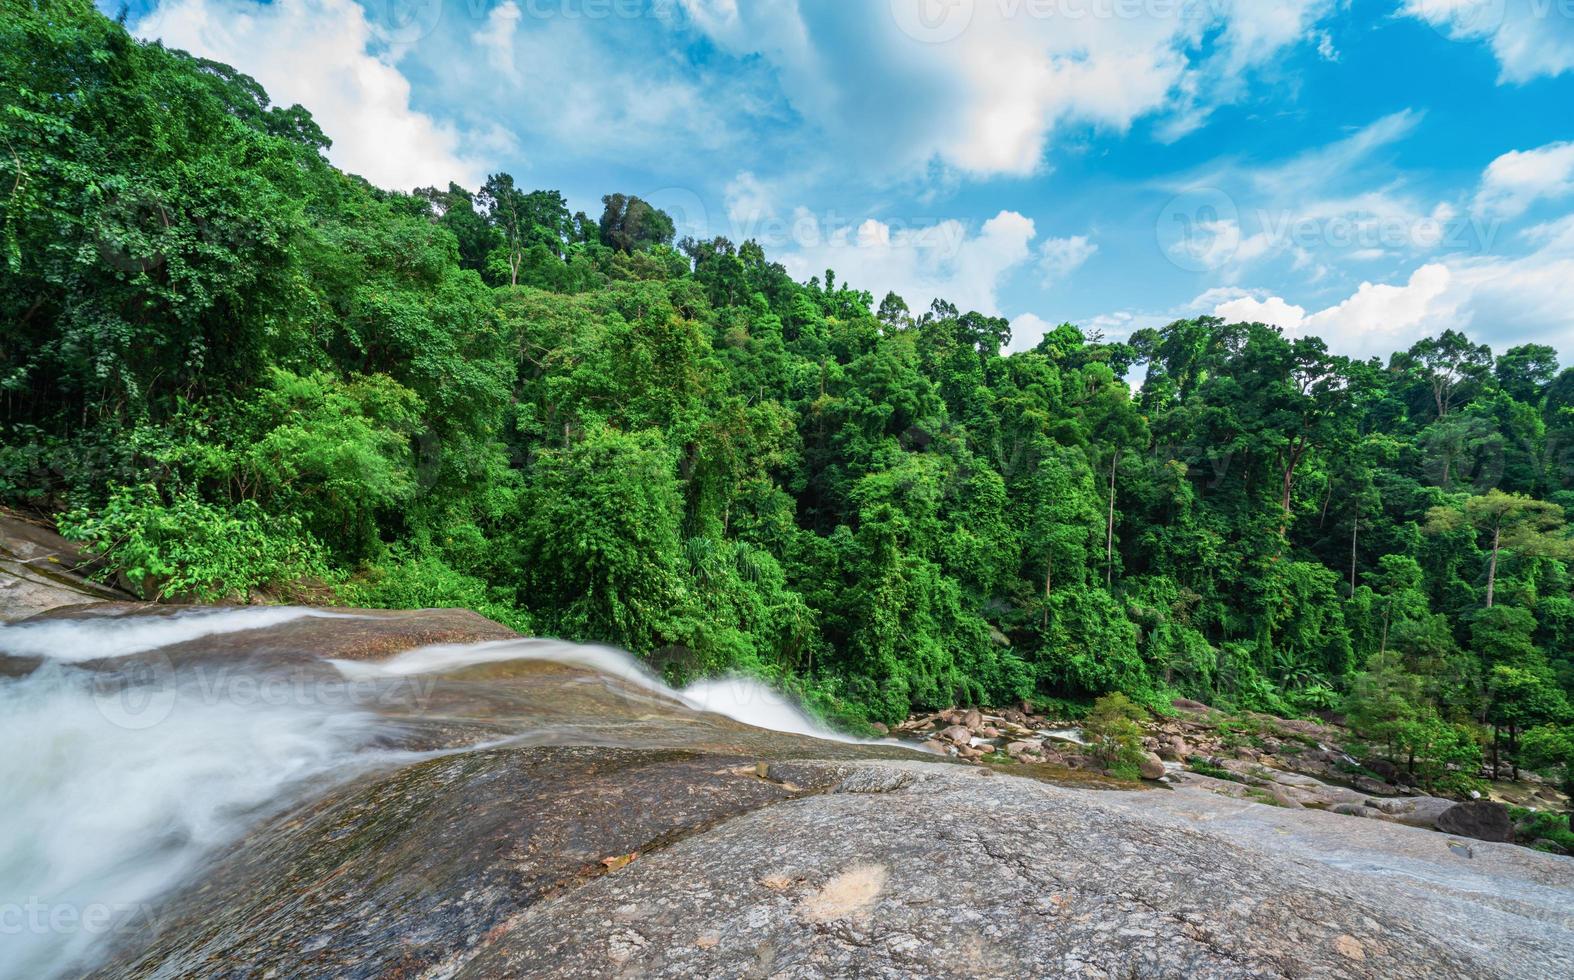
427 582
187 548
1115 734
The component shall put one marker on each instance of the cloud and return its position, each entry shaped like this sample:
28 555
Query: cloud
1274 310
1502 300
920 264
1059 257
496 38
1377 319
748 201
1530 38
318 53
1343 201
982 88
1027 330
1520 178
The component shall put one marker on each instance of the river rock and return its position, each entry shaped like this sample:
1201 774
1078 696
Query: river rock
1481 819
40 571
1151 766
958 734
1367 784
1413 811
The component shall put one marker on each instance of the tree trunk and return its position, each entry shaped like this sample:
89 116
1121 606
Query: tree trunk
1496 734
1355 532
1109 533
1048 568
1513 747
1497 538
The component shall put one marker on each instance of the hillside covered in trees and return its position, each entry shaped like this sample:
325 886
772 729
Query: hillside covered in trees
240 374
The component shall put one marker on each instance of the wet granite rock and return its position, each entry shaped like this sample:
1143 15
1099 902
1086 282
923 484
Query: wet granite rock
40 570
1106 885
1480 819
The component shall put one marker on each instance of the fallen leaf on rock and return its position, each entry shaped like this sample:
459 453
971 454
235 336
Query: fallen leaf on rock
620 861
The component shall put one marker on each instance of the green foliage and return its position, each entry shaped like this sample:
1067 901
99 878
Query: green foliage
186 549
427 582
1531 826
579 427
600 551
1203 767
1114 731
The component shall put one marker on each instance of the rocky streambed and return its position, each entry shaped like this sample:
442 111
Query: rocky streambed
1257 758
452 801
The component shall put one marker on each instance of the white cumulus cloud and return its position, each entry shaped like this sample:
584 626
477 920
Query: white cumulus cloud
1530 38
1520 178
982 87
1059 257
318 53
920 264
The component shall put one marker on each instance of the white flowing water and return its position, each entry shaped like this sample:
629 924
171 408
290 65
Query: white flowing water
74 640
742 699
115 792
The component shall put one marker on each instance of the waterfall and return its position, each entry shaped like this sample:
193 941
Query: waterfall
125 767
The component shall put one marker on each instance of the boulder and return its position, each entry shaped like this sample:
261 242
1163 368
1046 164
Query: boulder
1481 819
958 734
1151 766
1413 811
1384 769
1283 797
973 719
1175 748
1367 784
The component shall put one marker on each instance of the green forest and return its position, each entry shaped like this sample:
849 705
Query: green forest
240 374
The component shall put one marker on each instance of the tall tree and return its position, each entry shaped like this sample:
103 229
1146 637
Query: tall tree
1452 367
630 224
1511 521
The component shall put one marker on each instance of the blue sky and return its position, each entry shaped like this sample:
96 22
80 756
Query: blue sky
1371 171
